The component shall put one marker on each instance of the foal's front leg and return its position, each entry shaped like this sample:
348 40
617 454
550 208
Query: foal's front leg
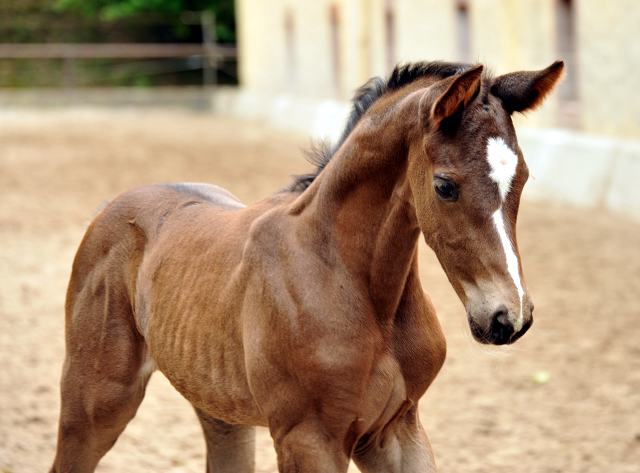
402 448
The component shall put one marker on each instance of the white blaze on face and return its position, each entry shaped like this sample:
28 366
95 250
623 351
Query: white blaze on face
503 162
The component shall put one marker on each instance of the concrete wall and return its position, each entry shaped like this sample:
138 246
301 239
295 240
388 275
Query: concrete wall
295 47
594 171
609 65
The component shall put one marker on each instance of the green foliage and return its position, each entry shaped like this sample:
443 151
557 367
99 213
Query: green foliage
111 21
170 10
117 9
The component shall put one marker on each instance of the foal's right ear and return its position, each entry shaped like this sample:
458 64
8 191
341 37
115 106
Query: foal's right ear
525 90
450 95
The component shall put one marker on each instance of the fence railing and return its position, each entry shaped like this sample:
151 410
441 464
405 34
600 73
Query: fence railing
211 54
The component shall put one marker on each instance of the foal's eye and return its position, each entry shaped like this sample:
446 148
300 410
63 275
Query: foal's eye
445 189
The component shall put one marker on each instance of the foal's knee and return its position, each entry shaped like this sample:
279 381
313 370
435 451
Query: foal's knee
311 449
401 447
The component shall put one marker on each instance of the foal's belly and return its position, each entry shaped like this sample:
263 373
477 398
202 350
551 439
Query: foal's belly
215 383
204 360
188 309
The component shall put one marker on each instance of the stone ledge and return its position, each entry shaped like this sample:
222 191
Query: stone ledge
581 169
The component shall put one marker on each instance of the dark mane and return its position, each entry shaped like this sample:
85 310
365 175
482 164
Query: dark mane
321 153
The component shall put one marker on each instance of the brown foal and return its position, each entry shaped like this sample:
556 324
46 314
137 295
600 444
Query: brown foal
304 312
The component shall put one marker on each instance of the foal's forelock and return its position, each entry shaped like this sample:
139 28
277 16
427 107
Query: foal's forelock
504 163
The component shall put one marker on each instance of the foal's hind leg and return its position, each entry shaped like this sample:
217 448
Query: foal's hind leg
104 375
230 447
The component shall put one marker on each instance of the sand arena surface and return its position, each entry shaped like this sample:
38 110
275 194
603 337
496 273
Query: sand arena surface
484 412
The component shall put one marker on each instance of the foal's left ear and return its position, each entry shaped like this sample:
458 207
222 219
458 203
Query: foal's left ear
443 99
525 90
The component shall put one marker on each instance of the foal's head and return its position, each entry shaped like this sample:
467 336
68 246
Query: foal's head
466 174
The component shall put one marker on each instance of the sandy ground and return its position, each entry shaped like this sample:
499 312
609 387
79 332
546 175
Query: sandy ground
484 413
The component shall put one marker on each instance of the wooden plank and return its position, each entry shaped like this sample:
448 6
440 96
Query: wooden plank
110 50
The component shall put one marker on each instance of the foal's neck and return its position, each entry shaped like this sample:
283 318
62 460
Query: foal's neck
361 205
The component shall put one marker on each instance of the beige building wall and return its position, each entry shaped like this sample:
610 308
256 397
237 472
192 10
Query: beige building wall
328 48
508 35
609 66
426 30
299 47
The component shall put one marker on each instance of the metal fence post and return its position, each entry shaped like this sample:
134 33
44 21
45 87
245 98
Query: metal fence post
209 60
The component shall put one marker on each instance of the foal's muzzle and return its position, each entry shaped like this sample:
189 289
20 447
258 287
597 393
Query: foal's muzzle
501 330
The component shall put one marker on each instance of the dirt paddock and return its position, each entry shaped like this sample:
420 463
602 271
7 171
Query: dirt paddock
485 412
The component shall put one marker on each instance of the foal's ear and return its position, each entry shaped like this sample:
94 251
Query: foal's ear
450 95
525 90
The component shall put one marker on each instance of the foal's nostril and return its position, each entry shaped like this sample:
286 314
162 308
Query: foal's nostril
502 316
501 328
